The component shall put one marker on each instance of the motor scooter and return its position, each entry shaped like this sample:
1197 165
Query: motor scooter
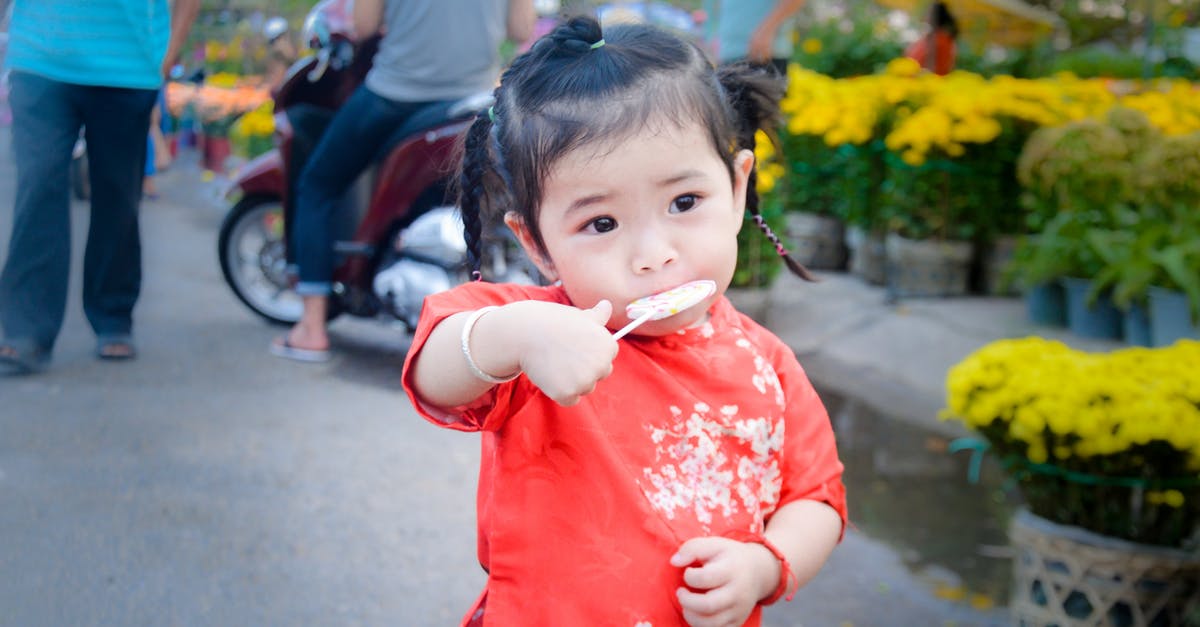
400 240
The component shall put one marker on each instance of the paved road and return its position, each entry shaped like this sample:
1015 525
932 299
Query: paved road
209 483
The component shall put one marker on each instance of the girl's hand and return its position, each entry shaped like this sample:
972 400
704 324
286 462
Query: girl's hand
569 351
729 580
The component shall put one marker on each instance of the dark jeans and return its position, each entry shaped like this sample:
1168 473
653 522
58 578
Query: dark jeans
47 116
352 140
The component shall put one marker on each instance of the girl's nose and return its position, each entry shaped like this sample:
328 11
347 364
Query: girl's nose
654 252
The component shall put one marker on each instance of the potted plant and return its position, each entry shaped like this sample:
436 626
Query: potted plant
1042 262
1105 452
1075 179
949 185
833 167
1174 303
253 133
1129 267
1172 183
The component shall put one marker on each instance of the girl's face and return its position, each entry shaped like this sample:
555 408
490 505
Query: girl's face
638 216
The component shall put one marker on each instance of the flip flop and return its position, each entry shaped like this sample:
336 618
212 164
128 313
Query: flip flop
19 358
117 347
281 347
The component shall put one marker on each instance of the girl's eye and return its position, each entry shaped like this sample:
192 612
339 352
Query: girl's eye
602 225
686 202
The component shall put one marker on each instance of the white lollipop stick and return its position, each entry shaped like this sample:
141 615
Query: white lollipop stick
665 304
633 324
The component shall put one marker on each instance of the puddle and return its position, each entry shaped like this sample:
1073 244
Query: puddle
906 490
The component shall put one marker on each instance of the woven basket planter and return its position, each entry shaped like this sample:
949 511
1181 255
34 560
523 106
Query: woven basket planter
1068 576
927 267
816 241
867 258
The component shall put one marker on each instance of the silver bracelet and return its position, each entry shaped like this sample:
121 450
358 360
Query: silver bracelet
466 348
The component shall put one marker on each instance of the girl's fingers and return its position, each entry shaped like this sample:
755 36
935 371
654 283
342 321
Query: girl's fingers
703 610
698 550
697 603
705 577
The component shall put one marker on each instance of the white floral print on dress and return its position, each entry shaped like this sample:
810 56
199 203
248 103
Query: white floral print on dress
693 470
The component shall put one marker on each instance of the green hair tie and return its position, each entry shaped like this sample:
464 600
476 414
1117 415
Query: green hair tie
492 114
597 44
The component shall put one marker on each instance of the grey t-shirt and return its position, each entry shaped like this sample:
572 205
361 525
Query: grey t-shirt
438 49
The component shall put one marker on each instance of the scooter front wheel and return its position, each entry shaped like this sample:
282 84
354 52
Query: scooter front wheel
254 261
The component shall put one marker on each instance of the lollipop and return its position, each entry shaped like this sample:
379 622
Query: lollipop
666 304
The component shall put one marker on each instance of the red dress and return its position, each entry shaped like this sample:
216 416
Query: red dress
698 433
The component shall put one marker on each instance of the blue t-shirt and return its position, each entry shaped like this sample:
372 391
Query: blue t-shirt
731 22
112 43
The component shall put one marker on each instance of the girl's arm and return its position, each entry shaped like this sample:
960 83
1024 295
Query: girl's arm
806 533
728 578
563 350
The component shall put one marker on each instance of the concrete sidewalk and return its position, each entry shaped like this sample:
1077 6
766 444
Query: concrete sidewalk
893 356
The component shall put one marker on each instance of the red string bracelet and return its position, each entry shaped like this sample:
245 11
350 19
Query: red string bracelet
788 583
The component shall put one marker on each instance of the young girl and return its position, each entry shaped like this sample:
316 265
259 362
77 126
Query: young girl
686 473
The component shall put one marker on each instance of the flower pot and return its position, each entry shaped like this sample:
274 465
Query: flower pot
927 267
1136 325
1100 319
215 151
815 240
867 258
1170 318
1046 303
1065 575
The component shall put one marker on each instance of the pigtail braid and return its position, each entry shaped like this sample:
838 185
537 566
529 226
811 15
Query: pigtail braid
753 95
472 189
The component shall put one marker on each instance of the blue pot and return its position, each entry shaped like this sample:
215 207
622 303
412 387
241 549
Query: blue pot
1137 325
1046 303
1170 319
1100 320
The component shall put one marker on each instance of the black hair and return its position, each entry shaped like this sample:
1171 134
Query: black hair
941 19
578 86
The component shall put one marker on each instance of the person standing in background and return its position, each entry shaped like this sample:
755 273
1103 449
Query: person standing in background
758 31
936 50
94 65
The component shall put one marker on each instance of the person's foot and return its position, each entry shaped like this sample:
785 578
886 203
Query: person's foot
301 344
149 189
18 359
118 347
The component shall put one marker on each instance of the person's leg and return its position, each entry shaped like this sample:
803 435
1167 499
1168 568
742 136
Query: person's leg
33 284
345 149
116 123
148 189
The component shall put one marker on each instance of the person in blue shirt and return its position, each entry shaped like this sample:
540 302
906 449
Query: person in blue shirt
94 65
757 31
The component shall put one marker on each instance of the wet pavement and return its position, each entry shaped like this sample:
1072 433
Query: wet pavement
210 483
906 489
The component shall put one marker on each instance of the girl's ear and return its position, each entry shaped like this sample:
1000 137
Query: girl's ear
743 164
517 225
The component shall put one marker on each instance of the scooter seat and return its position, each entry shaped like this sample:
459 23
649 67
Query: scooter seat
425 119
